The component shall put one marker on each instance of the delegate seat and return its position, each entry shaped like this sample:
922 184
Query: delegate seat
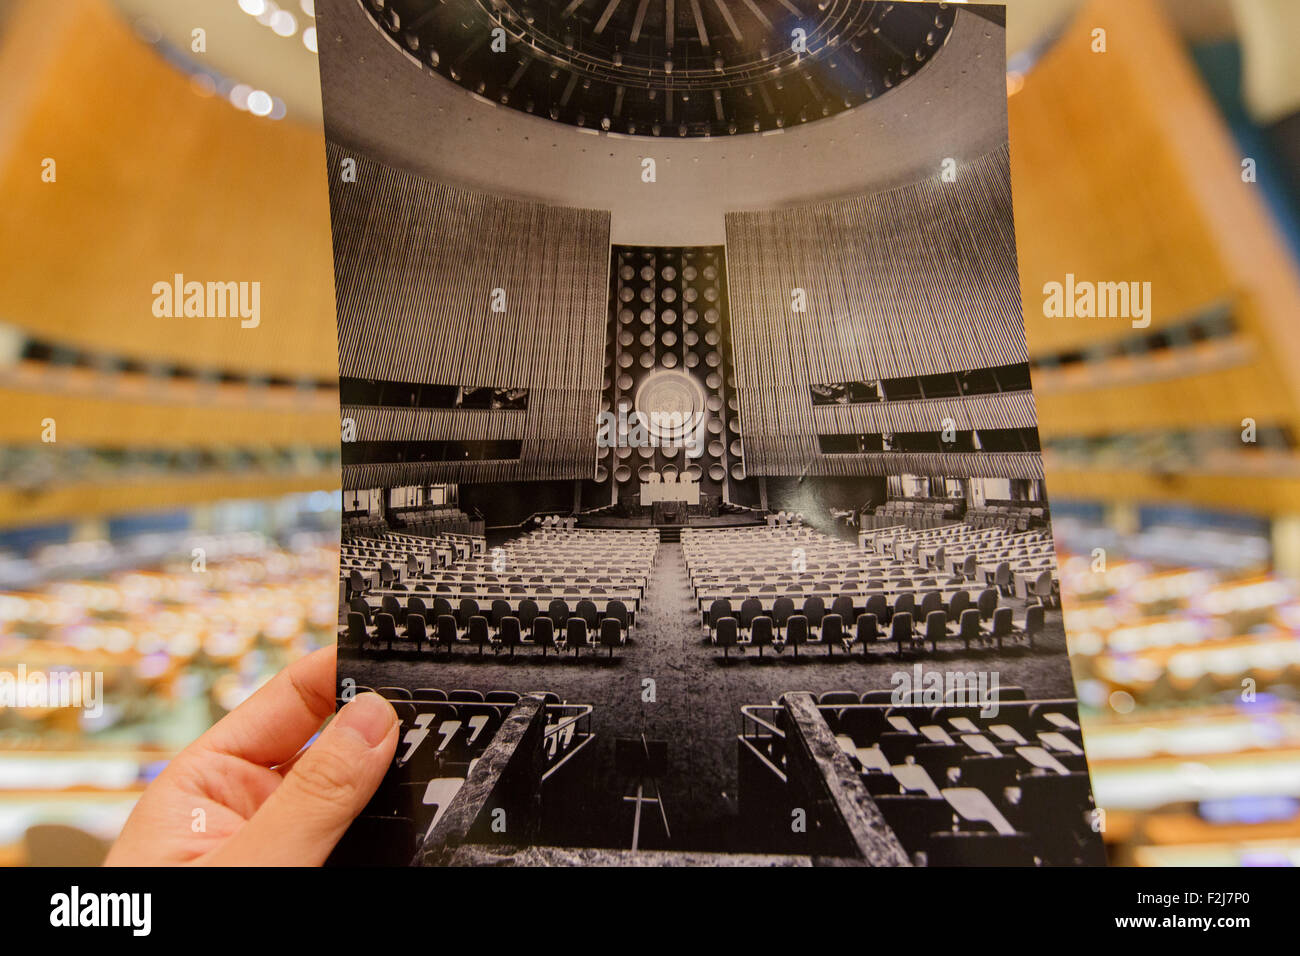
833 633
726 634
868 631
385 630
543 634
415 630
575 635
611 635
796 632
936 627
356 634
477 632
447 632
719 609
509 633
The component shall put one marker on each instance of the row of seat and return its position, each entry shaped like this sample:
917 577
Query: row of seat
509 635
797 631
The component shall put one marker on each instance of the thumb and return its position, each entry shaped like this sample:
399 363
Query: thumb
328 785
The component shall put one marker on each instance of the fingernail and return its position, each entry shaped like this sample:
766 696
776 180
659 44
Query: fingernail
369 716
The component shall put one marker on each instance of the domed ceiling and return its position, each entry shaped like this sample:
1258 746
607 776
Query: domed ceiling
670 67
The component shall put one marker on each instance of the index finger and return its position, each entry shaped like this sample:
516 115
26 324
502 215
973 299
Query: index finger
273 724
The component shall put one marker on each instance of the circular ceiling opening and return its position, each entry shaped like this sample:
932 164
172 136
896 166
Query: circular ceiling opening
670 67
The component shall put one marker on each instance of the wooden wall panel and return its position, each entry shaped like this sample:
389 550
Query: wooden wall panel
153 179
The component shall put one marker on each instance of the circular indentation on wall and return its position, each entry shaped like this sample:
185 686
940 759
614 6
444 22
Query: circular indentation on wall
668 317
689 273
691 337
668 273
647 316
645 471
670 295
648 273
623 452
626 338
623 473
690 316
692 360
733 424
738 470
691 294
712 360
668 338
715 426
670 472
624 359
669 451
647 337
713 380
645 451
710 272
625 316
626 273
669 360
735 448
602 473
733 403
647 295
712 337
605 405
625 294
647 359
711 316
711 293
715 449
714 403
694 472
717 472
624 382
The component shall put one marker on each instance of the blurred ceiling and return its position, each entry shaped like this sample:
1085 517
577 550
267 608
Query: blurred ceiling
248 50
240 46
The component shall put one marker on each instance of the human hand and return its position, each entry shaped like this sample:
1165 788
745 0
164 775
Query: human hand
246 793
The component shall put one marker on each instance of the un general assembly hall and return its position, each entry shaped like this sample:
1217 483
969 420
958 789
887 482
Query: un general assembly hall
660 404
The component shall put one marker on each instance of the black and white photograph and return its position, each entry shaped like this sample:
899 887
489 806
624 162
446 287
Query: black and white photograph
693 501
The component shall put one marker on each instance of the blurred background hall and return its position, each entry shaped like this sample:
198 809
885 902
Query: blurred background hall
211 447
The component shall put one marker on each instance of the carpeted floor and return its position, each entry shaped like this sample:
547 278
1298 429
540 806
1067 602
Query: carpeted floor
697 699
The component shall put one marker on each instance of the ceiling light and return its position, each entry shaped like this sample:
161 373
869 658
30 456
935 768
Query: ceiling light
260 103
309 38
254 8
284 23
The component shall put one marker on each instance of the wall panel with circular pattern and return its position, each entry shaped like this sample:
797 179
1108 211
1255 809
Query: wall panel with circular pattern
668 388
